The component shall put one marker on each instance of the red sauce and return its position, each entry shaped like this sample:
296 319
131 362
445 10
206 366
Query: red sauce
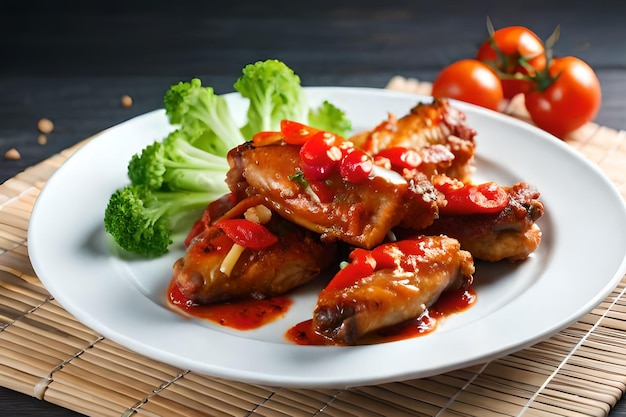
303 334
450 302
252 314
241 315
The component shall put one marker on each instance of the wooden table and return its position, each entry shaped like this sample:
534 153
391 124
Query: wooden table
72 64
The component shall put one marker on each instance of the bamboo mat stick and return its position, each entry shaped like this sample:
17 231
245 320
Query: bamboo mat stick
47 353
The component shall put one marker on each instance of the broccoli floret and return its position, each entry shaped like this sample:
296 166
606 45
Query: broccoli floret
204 114
175 164
146 222
147 167
174 179
330 118
274 92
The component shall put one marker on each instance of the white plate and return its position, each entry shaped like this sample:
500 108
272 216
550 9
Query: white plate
581 259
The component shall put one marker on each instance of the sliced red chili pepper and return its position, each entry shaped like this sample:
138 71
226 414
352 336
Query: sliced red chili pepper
247 233
489 196
400 254
350 274
401 157
405 254
486 198
321 149
266 138
412 247
356 166
296 133
360 255
413 252
317 172
387 256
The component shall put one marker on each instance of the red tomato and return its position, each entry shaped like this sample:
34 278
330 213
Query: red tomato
471 81
517 50
571 98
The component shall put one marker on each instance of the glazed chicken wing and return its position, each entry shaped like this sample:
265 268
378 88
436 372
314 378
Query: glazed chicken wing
511 234
207 273
360 214
389 285
427 124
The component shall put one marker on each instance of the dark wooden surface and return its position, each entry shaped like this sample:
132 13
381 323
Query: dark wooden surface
71 62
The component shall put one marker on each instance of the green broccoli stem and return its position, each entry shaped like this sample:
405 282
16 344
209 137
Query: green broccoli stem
261 108
192 169
182 154
180 208
212 110
200 180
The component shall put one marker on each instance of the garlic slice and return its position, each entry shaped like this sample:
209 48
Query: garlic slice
257 214
231 258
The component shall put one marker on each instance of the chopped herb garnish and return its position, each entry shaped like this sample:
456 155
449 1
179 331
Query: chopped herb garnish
299 178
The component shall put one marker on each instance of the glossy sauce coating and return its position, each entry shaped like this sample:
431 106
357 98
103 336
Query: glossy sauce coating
240 315
252 314
450 302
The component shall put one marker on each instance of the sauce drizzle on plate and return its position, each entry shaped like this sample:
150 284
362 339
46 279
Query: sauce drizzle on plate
450 302
252 314
241 315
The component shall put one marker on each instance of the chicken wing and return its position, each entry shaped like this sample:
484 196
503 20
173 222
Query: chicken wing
360 214
298 257
511 234
389 285
427 124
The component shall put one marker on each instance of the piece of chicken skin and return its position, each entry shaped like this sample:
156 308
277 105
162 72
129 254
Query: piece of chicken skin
296 259
511 234
360 214
391 296
427 124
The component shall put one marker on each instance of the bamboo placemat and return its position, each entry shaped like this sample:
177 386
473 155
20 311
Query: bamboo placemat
46 353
